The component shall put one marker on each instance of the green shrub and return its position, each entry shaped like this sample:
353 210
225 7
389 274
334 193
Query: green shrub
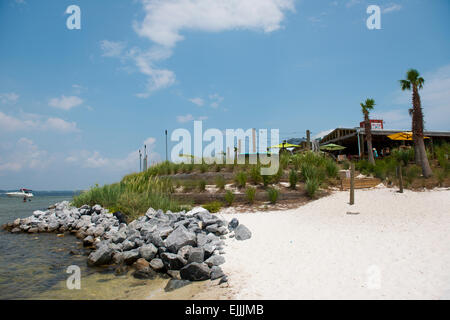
229 197
241 179
293 179
189 185
412 173
312 185
331 168
403 155
440 174
310 171
255 174
220 182
296 161
201 185
251 193
284 160
266 180
346 164
273 195
276 178
213 207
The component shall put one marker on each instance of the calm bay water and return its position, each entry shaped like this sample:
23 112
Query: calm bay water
33 266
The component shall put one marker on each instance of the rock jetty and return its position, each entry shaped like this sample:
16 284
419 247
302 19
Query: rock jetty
184 245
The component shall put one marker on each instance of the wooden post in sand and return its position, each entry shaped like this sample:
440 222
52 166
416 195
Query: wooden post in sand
352 184
400 178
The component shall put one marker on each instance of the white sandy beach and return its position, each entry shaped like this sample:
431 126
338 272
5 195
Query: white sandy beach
397 247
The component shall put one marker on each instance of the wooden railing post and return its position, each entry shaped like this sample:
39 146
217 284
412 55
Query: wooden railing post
352 184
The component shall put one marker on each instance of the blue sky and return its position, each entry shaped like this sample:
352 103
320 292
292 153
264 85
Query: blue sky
76 105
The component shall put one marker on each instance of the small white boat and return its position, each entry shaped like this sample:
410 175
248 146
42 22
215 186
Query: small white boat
23 193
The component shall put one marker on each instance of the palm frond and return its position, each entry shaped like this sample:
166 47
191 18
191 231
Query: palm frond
405 84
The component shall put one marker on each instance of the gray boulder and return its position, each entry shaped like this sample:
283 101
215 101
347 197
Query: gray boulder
242 233
196 255
216 273
174 284
195 272
148 251
180 237
129 257
157 264
101 256
215 260
233 224
173 261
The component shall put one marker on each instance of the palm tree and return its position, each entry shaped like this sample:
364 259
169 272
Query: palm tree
415 82
366 108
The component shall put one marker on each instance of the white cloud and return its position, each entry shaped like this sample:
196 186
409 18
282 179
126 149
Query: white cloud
65 103
197 101
9 97
216 100
189 118
60 125
352 3
186 118
28 122
24 154
165 20
391 8
112 48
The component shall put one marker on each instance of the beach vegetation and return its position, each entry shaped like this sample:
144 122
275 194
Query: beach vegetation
250 192
273 195
229 197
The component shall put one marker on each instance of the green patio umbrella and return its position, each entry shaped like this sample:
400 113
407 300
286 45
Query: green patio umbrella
332 147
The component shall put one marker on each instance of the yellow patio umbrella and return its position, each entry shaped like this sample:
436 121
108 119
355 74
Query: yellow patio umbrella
407 136
284 145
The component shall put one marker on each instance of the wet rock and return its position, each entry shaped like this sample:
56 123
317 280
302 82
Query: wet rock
88 241
216 273
174 284
148 251
101 256
157 264
224 279
173 261
129 257
195 272
174 274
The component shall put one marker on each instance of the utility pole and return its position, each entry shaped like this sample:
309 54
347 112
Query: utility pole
140 161
166 147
